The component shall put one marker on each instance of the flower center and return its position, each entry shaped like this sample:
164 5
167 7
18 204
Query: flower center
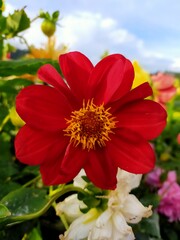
90 126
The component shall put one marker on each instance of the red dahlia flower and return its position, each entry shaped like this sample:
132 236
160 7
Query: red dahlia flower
90 120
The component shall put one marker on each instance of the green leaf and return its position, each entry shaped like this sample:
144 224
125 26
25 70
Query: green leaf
34 235
24 21
16 22
4 211
151 226
13 86
8 187
25 201
7 165
23 66
24 204
2 24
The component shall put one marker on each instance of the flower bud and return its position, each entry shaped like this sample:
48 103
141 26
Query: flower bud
48 27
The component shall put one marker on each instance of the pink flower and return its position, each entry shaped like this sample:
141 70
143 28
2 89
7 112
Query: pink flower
170 198
153 178
163 87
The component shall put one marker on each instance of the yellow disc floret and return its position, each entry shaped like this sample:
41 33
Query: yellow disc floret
90 126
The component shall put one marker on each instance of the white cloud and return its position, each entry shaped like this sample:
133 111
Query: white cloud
93 34
107 23
175 66
115 26
78 28
119 36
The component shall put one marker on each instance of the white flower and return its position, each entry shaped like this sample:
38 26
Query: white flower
111 226
70 207
78 181
122 208
134 211
127 181
80 228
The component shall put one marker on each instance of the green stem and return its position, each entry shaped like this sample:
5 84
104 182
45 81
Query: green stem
69 188
25 42
5 120
34 19
63 220
32 181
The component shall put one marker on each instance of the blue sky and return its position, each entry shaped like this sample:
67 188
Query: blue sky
143 30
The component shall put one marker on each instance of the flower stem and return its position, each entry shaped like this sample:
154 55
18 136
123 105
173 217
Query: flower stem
5 120
66 189
34 19
31 181
24 41
63 220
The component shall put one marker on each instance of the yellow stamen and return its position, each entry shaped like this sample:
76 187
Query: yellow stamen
90 125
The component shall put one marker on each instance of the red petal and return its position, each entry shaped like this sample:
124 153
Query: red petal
73 161
43 107
101 170
111 78
51 172
34 147
145 117
76 68
142 91
131 152
66 168
50 75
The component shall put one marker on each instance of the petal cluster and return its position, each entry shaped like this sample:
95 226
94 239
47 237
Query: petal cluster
170 198
163 86
47 110
111 224
123 208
